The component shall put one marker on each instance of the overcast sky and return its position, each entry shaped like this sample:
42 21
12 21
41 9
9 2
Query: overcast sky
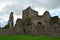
16 6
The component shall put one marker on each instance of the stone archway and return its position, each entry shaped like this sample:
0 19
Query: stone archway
39 23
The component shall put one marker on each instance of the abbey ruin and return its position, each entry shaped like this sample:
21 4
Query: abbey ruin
32 23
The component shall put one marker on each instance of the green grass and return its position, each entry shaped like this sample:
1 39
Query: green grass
27 37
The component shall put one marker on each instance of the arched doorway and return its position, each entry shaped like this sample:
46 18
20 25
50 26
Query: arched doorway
39 23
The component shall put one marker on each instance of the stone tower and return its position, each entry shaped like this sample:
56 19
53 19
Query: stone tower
10 22
29 13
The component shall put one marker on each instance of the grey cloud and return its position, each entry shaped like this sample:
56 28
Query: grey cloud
16 7
50 4
2 24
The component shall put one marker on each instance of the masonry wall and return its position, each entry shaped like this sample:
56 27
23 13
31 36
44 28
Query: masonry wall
37 25
19 26
7 31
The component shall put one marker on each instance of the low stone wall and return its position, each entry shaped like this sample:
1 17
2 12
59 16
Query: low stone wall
44 32
7 31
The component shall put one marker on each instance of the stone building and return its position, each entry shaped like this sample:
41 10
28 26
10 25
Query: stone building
34 24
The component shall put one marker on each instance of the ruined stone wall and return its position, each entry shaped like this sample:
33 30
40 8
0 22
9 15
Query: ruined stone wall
46 18
40 25
54 21
19 26
29 13
27 26
7 31
10 22
32 23
25 14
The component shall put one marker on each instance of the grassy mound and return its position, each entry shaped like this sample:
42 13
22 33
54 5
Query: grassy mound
27 37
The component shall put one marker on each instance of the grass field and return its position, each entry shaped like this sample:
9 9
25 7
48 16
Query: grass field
27 37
